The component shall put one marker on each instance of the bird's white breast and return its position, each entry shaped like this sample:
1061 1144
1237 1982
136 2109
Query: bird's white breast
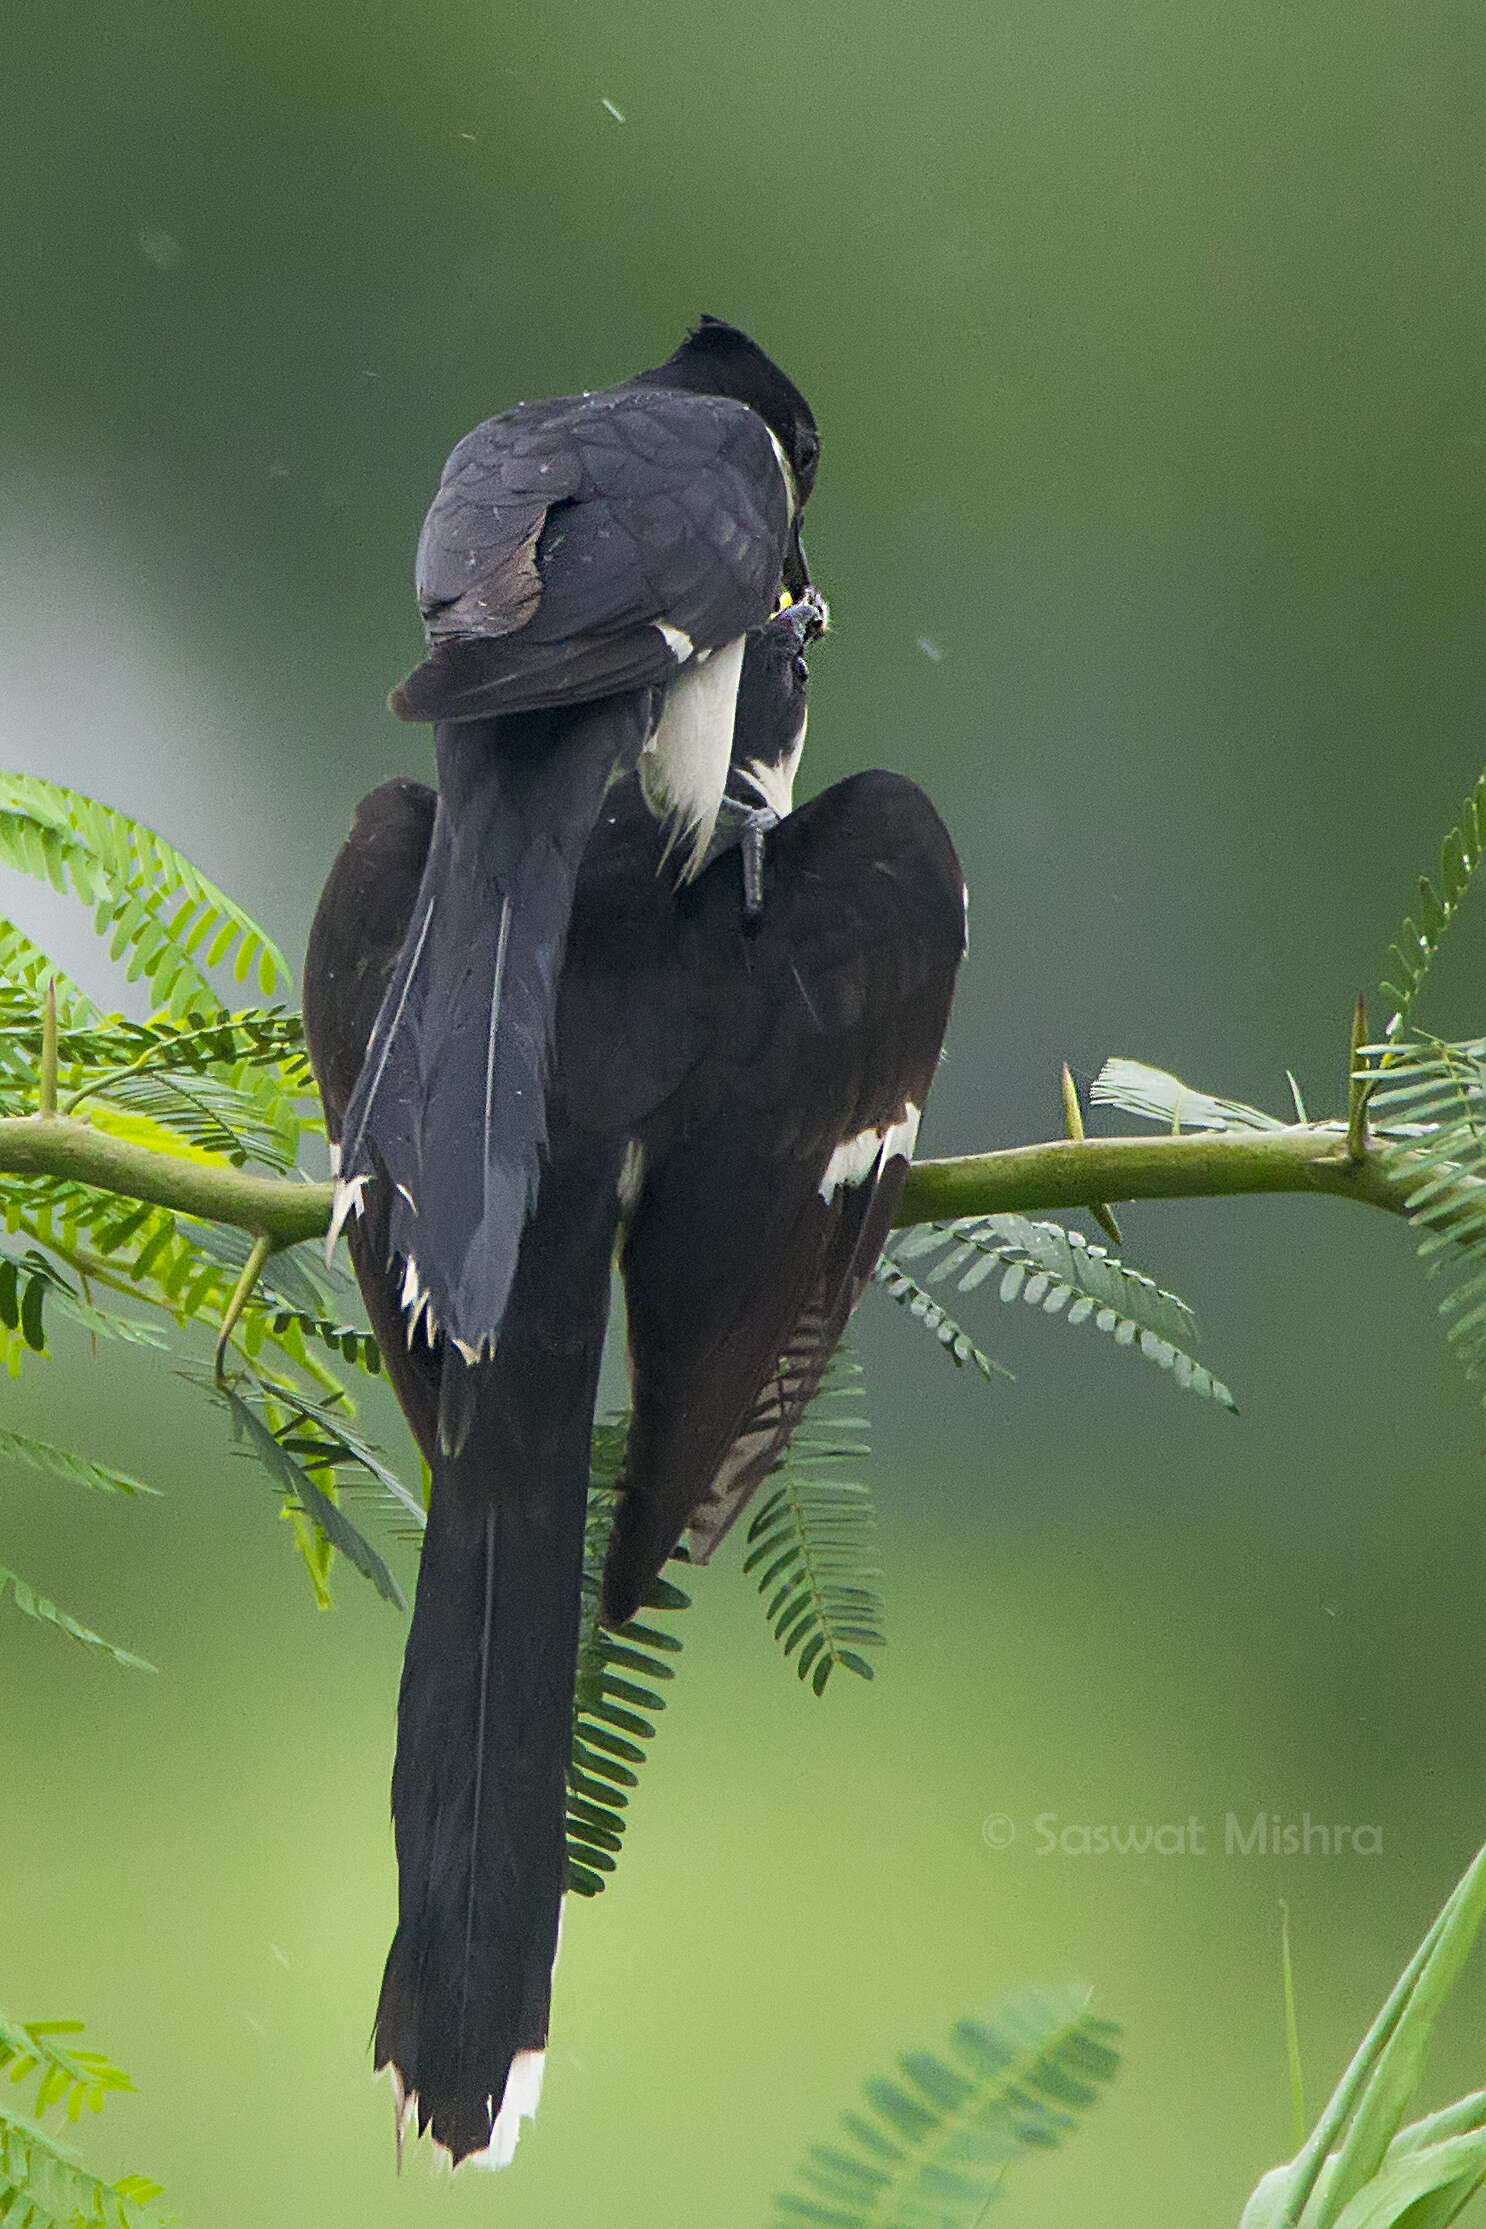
684 766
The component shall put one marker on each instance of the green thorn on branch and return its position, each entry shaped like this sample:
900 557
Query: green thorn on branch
241 1294
1359 1085
1073 1122
47 1095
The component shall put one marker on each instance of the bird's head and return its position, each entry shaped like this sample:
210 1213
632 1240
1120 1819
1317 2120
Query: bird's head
720 359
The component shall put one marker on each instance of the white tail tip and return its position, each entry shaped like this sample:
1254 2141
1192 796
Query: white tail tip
347 1196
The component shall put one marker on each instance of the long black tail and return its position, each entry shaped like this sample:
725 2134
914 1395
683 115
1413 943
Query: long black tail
485 1710
451 1100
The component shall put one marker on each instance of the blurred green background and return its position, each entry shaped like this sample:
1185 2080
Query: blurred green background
1146 344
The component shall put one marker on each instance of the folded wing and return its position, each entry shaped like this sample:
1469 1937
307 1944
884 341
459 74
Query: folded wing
359 925
770 1177
594 544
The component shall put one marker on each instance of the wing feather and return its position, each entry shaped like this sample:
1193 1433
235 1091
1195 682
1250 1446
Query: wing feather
564 534
772 1174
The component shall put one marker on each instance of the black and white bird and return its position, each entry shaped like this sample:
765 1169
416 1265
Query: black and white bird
733 1100
587 574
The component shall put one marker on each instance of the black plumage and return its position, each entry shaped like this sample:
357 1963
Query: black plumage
486 1699
359 925
586 574
767 1174
732 1098
485 1702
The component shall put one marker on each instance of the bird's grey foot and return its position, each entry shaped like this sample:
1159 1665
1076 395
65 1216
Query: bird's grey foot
811 615
744 826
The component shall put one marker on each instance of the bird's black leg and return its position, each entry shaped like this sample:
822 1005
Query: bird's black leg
751 845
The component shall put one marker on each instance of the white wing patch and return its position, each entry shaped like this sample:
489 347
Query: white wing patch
684 766
348 1191
856 1159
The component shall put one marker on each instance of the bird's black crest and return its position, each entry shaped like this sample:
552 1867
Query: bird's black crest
717 358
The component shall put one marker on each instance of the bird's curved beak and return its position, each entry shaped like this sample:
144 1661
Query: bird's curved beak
796 571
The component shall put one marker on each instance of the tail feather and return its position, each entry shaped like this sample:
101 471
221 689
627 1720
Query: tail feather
478 1798
485 1707
451 1100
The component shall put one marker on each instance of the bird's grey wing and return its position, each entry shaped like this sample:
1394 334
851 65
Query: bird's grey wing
657 530
476 569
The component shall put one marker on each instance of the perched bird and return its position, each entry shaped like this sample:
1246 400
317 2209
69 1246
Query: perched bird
587 574
734 1093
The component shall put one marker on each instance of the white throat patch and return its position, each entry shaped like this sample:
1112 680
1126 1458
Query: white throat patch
774 784
684 766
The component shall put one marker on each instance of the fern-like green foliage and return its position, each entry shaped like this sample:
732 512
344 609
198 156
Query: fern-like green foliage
320 1433
812 1545
43 2185
1160 1097
23 1291
33 1605
289 1463
32 1286
940 2134
25 971
236 1087
232 1087
891 1278
1060 1273
1418 941
66 2075
1429 1105
161 915
616 1700
196 1080
61 1462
